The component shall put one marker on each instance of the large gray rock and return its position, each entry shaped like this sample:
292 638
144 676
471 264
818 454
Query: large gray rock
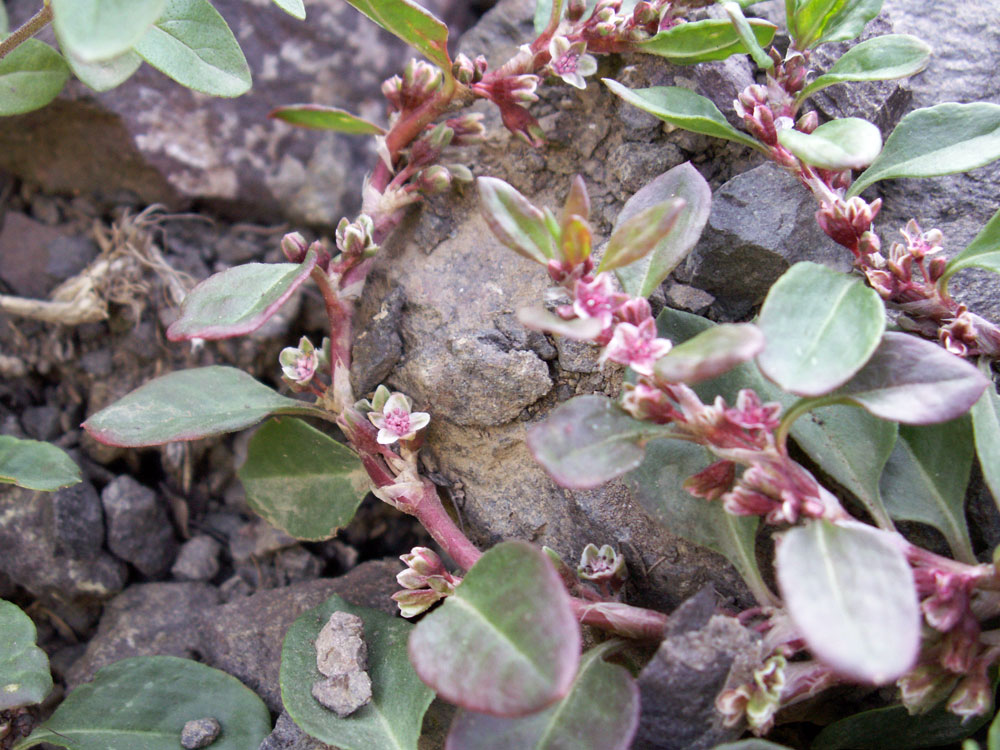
139 530
153 141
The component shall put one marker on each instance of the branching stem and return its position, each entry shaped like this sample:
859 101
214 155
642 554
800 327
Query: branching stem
27 30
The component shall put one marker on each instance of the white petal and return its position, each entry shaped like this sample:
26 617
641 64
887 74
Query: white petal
386 437
419 420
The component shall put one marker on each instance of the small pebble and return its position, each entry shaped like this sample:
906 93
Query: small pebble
199 733
344 694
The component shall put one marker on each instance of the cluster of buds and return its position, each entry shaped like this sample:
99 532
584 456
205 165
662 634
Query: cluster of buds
753 106
420 80
510 92
849 223
355 238
393 415
603 566
425 581
759 700
614 31
468 71
781 491
786 79
300 363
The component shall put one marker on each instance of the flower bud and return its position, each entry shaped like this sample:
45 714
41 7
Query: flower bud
420 80
460 173
440 136
972 697
575 10
414 602
603 566
354 239
293 245
423 560
936 268
925 686
392 89
463 69
468 129
434 180
522 88
808 122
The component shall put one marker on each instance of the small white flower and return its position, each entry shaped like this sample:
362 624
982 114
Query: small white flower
570 61
298 364
396 422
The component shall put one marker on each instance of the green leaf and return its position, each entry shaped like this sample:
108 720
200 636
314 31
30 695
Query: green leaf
710 353
589 440
144 702
106 74
993 738
849 21
746 34
506 642
847 143
4 22
601 711
913 381
704 41
847 443
816 22
683 109
318 117
239 300
642 277
986 427
192 44
635 238
752 744
293 8
658 486
35 465
188 405
24 668
926 478
301 480
821 327
31 76
399 699
894 727
411 23
880 59
515 221
935 141
94 30
543 14
982 252
849 590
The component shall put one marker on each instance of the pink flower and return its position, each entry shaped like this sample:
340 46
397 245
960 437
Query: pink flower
751 414
396 421
570 61
636 346
597 299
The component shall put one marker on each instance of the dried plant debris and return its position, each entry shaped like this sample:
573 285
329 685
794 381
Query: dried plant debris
342 657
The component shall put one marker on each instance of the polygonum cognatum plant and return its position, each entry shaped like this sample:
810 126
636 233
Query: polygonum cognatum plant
700 431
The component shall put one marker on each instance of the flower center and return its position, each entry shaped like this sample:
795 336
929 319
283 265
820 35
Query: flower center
566 64
398 421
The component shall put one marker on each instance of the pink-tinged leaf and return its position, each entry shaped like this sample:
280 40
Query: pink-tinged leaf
506 643
913 381
515 221
710 353
589 440
239 300
601 711
318 117
188 405
414 25
540 319
635 238
642 277
851 594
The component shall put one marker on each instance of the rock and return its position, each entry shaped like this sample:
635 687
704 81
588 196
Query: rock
577 356
37 257
258 539
288 736
78 521
139 530
42 422
340 645
762 221
679 686
33 558
344 694
199 733
197 560
153 141
378 347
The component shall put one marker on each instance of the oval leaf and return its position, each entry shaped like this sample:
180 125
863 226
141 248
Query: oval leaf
710 353
4 21
601 711
239 300
850 592
191 43
821 327
703 41
24 668
399 699
635 238
515 221
31 76
935 141
319 117
847 143
188 405
880 59
982 252
986 427
744 29
144 702
411 23
106 74
588 441
658 486
35 465
293 8
913 381
683 109
926 478
641 278
94 30
506 642
540 319
301 480
815 22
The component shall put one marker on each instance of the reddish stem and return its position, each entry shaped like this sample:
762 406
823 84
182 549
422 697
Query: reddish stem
429 510
621 619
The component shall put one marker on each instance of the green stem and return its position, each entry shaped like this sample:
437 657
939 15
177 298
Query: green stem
800 407
31 27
